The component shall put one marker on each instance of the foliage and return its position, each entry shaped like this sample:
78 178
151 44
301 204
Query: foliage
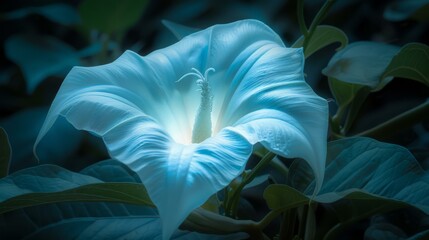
374 186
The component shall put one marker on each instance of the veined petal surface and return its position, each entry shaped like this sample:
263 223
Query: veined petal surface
145 115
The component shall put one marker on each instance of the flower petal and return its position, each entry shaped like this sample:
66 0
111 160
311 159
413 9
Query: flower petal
273 104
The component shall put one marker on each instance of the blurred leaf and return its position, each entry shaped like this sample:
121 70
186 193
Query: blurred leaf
384 231
400 10
362 63
40 57
363 177
178 30
110 16
59 13
420 236
322 37
411 62
5 153
23 128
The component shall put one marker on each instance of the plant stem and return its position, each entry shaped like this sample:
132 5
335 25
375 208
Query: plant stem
231 206
401 121
301 20
287 226
317 20
303 221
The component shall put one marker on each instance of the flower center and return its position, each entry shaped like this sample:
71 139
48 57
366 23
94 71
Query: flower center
202 125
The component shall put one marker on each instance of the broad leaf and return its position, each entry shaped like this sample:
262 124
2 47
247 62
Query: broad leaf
23 127
111 16
84 220
40 57
322 37
50 184
5 153
111 171
411 62
362 63
363 177
400 10
59 13
139 227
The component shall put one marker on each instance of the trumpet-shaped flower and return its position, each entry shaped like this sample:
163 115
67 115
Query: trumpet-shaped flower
186 117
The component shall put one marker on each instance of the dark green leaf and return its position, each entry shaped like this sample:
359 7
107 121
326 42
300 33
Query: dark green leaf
400 10
5 153
284 197
362 63
140 227
374 176
349 98
322 37
51 184
59 13
411 62
111 171
110 16
40 57
363 177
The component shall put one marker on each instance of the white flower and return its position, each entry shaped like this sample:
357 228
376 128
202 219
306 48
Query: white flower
251 89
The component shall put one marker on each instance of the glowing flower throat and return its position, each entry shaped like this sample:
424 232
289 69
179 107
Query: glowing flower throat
203 124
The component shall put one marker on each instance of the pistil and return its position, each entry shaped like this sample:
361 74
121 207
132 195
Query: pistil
202 128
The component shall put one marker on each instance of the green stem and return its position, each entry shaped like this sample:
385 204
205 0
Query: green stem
317 20
232 205
287 226
301 20
303 221
401 121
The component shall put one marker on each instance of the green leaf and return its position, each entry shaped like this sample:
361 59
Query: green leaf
111 171
283 197
362 63
23 127
400 10
411 62
5 153
362 177
374 176
349 98
59 13
40 57
322 37
140 227
51 184
111 16
76 220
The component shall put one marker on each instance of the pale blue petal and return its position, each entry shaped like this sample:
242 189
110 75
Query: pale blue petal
145 116
283 113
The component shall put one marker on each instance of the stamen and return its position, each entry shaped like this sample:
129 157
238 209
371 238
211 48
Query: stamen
202 125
